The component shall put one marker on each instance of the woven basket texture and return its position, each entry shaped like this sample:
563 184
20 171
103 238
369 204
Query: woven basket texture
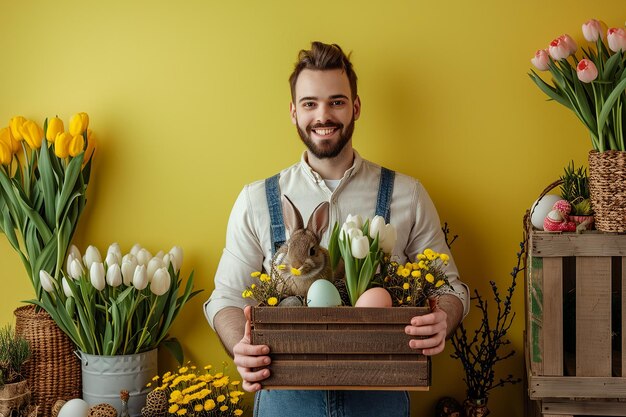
607 184
53 369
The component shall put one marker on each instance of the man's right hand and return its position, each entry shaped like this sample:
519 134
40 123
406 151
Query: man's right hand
248 356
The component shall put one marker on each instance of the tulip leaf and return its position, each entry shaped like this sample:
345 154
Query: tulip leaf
549 90
9 229
610 101
333 249
47 182
33 216
609 66
365 275
173 346
71 175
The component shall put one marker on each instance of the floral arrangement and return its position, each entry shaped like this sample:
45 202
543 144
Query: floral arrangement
123 305
194 392
413 283
592 86
43 179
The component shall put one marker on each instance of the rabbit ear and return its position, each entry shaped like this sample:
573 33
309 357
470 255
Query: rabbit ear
318 222
291 216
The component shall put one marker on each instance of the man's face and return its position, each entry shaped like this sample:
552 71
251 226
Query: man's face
324 112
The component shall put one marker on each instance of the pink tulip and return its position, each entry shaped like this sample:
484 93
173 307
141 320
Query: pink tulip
617 39
571 44
561 48
541 60
592 30
586 71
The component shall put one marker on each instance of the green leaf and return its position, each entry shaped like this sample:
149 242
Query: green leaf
608 103
333 248
549 90
71 175
173 346
366 275
610 66
47 180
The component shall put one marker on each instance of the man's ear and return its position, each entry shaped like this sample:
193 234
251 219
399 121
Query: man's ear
357 107
292 112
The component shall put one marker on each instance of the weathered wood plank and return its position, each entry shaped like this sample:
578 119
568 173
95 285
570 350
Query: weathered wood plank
552 330
572 244
348 373
583 407
623 277
535 313
593 316
576 387
399 315
334 341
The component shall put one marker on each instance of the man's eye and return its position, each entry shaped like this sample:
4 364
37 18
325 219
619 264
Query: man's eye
337 103
308 104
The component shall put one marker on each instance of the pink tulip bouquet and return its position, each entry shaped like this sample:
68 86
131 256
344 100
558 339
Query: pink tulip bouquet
592 86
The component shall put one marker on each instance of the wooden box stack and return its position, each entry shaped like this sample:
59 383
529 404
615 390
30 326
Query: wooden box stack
340 348
576 325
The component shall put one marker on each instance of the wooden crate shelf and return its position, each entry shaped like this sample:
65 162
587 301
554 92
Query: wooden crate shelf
340 348
575 321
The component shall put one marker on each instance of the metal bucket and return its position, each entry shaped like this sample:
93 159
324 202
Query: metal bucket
105 376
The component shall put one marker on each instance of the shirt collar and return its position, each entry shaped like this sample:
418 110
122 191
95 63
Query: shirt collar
306 168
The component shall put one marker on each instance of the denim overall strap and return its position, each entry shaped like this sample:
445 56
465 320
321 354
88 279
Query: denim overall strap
385 190
277 228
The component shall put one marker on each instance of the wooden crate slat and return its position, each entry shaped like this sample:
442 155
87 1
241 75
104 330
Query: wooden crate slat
334 341
582 407
348 373
572 244
399 315
593 316
535 315
552 330
576 387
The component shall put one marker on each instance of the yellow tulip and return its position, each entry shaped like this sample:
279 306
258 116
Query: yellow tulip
77 145
62 145
79 123
32 134
16 125
91 145
7 137
55 126
5 154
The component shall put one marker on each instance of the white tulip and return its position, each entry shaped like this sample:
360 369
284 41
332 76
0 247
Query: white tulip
176 257
66 288
355 233
128 270
135 249
112 259
140 277
96 275
92 255
356 219
73 250
114 275
143 257
345 228
389 242
160 254
167 259
129 257
161 281
76 269
46 280
154 264
360 247
68 265
114 249
377 228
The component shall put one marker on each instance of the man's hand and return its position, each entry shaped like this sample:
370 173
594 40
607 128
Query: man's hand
248 356
435 326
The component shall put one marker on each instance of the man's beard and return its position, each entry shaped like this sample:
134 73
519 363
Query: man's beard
326 149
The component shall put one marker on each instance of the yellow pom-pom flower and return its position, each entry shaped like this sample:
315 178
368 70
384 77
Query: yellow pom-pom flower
255 274
406 286
272 301
430 278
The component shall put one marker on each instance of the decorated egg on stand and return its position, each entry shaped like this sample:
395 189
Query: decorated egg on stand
374 297
323 293
541 208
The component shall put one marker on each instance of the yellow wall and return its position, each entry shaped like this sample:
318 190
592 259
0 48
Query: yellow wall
189 101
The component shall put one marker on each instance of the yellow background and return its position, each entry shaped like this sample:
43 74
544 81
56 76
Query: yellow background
189 101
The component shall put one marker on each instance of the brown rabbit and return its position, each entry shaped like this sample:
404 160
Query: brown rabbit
303 251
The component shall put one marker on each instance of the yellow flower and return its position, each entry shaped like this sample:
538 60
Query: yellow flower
295 271
421 264
79 123
415 265
55 126
183 370
149 384
408 298
439 283
175 396
198 407
246 294
182 412
209 405
155 378
430 278
207 367
421 256
32 134
406 286
409 266
221 398
62 145
223 408
253 286
444 257
399 270
255 274
16 124
235 383
272 301
5 154
281 267
77 145
416 274
234 400
173 408
238 412
264 278
428 252
405 273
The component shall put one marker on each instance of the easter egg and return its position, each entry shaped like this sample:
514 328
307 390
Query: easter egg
323 293
541 208
74 408
291 301
374 297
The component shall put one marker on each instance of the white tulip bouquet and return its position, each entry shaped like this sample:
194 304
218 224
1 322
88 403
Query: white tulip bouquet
362 246
123 305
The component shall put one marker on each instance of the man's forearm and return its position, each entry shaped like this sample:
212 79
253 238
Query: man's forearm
453 307
230 324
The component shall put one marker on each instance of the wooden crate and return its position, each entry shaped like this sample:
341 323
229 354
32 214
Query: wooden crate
576 326
340 348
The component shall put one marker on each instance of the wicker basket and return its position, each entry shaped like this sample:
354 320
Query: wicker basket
53 370
607 184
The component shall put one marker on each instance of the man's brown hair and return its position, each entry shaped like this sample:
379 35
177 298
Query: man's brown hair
322 57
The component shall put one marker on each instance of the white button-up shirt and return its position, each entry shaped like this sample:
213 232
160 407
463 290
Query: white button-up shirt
248 241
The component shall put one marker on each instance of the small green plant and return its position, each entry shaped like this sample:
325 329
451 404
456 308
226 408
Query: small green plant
14 352
575 189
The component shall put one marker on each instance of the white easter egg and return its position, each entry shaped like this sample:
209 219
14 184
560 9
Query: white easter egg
74 408
541 208
323 293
